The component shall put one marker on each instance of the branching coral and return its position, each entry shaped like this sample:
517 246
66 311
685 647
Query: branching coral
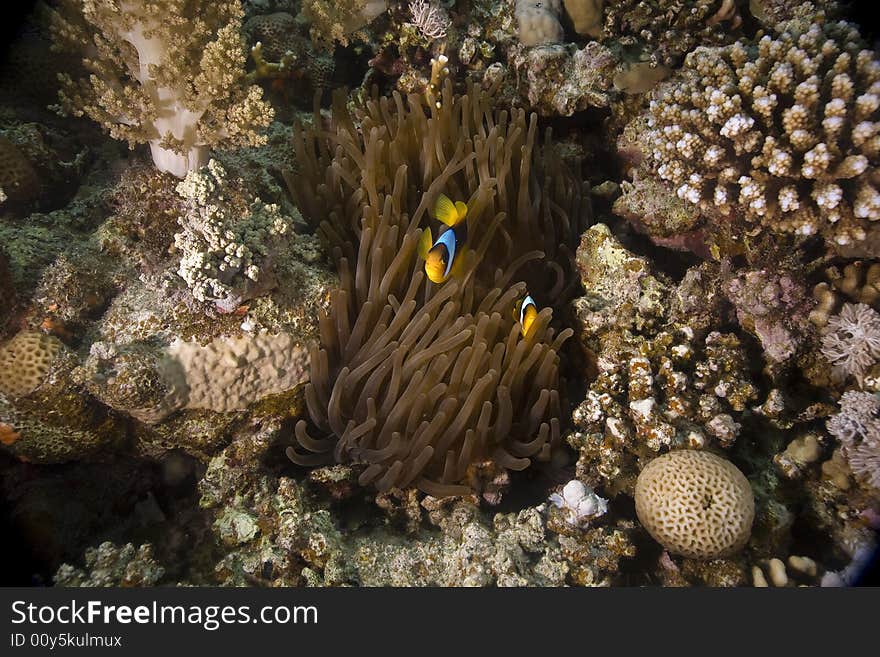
425 384
783 133
225 256
166 72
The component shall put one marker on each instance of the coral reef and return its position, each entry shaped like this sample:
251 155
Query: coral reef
663 31
166 72
280 533
354 323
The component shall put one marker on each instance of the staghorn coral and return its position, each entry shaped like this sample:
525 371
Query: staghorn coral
166 72
225 254
782 133
852 341
421 383
695 504
857 427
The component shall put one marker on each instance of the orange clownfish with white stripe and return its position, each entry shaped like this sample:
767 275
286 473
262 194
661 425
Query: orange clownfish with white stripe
445 256
525 312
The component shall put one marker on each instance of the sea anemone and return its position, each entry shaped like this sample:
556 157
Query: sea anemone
435 386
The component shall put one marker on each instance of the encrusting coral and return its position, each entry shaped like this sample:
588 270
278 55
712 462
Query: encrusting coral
167 72
417 382
783 134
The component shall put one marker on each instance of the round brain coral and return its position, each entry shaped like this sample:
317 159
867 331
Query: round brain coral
24 362
695 504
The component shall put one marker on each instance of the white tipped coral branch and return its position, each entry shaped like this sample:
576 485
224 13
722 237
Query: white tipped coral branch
431 20
170 73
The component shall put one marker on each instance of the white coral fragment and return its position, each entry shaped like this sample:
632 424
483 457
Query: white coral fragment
579 502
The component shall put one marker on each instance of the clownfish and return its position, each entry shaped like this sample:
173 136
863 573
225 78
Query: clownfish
445 256
525 312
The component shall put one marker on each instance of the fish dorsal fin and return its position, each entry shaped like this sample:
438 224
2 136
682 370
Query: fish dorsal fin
426 241
445 210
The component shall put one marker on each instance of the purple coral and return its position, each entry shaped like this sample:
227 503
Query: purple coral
857 427
774 306
852 341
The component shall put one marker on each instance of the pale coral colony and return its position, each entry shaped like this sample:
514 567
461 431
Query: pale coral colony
570 292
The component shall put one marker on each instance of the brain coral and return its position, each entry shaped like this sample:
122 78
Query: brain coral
695 504
47 417
784 133
24 362
425 385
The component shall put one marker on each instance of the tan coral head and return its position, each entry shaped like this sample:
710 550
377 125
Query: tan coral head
695 504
